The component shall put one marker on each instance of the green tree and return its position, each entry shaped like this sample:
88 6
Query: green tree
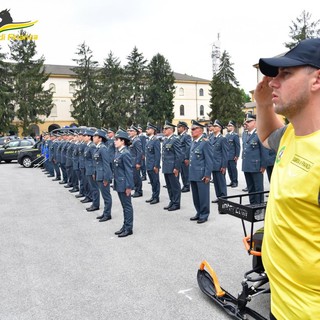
303 28
226 100
6 108
160 92
136 85
30 99
85 102
113 100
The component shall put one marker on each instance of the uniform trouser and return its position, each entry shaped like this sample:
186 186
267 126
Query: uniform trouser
255 184
64 171
69 174
75 178
82 182
106 196
94 192
143 168
155 184
233 171
50 167
137 181
56 168
127 210
220 184
185 175
174 189
201 198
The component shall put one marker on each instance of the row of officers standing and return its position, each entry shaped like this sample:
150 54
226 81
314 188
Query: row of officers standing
91 161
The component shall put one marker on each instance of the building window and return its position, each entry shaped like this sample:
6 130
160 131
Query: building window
54 111
182 110
52 87
181 92
201 94
201 110
72 87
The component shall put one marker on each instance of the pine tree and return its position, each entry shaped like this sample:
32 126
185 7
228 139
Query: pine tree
6 108
85 102
160 92
136 84
302 29
227 99
30 99
113 100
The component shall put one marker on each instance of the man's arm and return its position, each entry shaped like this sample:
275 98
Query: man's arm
267 120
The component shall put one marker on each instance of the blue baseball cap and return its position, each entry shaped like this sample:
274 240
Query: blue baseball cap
306 53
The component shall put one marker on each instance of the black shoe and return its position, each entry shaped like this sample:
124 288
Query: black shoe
99 217
149 200
92 209
68 186
234 185
125 233
63 182
143 178
154 201
173 208
104 219
74 190
50 175
165 186
136 195
195 218
79 195
119 232
202 220
215 201
168 206
56 179
245 189
184 189
86 200
229 185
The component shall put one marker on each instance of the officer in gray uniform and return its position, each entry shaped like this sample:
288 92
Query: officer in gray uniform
143 140
103 173
56 157
110 145
200 167
83 184
62 158
136 154
172 157
185 141
220 158
233 153
153 155
123 181
254 160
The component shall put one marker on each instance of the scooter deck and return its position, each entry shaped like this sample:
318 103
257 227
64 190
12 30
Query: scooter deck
228 302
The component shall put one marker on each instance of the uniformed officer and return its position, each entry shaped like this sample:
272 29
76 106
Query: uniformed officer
62 157
143 140
93 194
55 156
200 168
69 163
171 164
103 173
136 154
220 158
110 145
185 141
233 153
254 157
75 163
83 184
123 181
153 155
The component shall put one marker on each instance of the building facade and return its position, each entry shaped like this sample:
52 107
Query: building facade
191 98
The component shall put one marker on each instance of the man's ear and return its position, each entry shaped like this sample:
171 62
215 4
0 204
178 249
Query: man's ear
316 81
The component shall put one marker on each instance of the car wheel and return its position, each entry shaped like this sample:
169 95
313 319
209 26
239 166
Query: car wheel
26 162
7 161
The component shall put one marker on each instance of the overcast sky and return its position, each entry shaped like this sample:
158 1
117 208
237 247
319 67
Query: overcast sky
182 31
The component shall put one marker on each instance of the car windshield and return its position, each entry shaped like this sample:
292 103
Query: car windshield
12 144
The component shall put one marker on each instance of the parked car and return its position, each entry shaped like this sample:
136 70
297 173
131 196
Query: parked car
30 157
6 139
9 151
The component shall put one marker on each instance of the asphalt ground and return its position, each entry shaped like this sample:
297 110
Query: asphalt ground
58 262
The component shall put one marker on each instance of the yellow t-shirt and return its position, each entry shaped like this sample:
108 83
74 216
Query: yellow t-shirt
291 243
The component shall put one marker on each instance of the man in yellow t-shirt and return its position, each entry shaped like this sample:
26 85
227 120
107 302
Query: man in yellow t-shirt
291 244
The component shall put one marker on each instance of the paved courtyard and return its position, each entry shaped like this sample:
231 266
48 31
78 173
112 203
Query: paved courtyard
58 262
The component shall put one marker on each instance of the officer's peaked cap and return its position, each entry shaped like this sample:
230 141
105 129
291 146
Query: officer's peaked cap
122 135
